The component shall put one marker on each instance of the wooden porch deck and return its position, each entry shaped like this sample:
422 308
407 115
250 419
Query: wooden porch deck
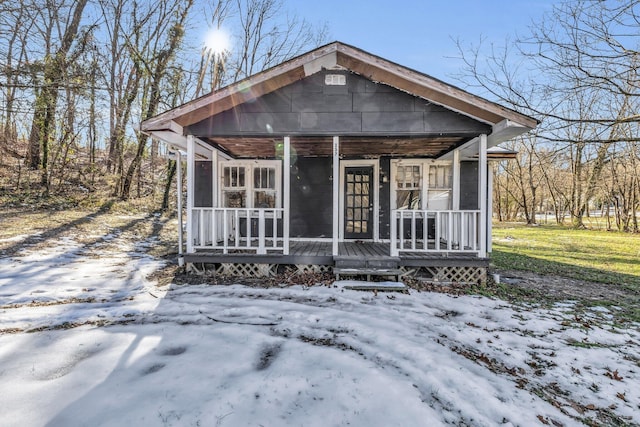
320 253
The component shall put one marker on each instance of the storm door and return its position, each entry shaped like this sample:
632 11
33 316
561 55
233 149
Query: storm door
358 202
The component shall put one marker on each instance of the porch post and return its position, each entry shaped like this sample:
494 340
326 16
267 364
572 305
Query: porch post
179 197
214 178
482 194
455 205
287 191
336 193
489 207
191 155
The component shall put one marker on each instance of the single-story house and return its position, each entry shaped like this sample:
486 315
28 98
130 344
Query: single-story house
339 160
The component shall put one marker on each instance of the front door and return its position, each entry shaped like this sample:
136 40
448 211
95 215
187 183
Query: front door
358 202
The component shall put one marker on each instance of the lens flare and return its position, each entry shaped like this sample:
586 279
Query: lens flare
217 41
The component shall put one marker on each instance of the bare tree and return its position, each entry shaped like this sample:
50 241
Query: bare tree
13 21
269 35
153 56
124 20
517 182
55 65
577 71
68 85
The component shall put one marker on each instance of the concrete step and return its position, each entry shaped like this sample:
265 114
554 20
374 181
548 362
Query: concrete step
374 286
383 272
369 262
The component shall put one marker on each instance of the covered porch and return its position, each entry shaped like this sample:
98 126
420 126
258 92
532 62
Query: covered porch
362 203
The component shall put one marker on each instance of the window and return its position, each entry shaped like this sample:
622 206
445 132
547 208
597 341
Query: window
408 187
439 192
423 184
440 176
234 191
264 187
250 185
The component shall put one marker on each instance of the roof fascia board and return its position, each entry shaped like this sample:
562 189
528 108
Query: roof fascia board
502 131
179 142
174 137
506 130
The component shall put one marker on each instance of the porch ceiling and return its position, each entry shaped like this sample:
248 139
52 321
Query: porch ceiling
321 146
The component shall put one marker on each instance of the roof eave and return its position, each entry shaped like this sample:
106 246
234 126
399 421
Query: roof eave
333 55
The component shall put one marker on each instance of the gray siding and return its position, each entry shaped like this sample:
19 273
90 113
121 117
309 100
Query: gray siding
311 198
385 201
203 191
361 107
469 185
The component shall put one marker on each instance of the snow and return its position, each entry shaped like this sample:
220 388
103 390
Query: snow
365 285
87 340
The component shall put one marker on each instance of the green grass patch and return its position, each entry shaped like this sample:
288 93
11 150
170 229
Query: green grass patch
586 344
608 259
592 255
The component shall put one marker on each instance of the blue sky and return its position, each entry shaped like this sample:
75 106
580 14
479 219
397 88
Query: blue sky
420 33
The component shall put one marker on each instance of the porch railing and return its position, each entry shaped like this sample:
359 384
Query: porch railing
435 231
257 230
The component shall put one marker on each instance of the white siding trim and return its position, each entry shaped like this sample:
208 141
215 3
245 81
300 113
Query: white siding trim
179 197
490 209
482 194
286 198
336 194
191 155
214 178
455 193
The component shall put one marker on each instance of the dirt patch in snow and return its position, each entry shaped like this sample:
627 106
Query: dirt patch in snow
562 287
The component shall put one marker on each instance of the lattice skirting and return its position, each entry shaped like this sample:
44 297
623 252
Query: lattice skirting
307 269
408 271
460 275
247 270
266 270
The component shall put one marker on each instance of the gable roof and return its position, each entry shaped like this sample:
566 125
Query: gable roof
506 123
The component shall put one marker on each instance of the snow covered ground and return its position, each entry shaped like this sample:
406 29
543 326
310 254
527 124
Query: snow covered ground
87 340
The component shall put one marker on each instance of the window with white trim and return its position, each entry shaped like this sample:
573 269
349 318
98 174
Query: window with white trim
264 187
250 184
408 186
422 184
439 189
234 188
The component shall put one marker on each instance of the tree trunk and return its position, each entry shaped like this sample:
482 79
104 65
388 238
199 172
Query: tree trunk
171 173
160 63
45 104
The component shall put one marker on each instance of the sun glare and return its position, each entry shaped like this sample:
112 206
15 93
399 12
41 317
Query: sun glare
217 41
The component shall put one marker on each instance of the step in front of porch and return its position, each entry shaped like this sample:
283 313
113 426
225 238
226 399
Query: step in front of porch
371 262
359 285
380 266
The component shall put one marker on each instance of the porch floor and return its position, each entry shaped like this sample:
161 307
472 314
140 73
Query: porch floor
311 252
